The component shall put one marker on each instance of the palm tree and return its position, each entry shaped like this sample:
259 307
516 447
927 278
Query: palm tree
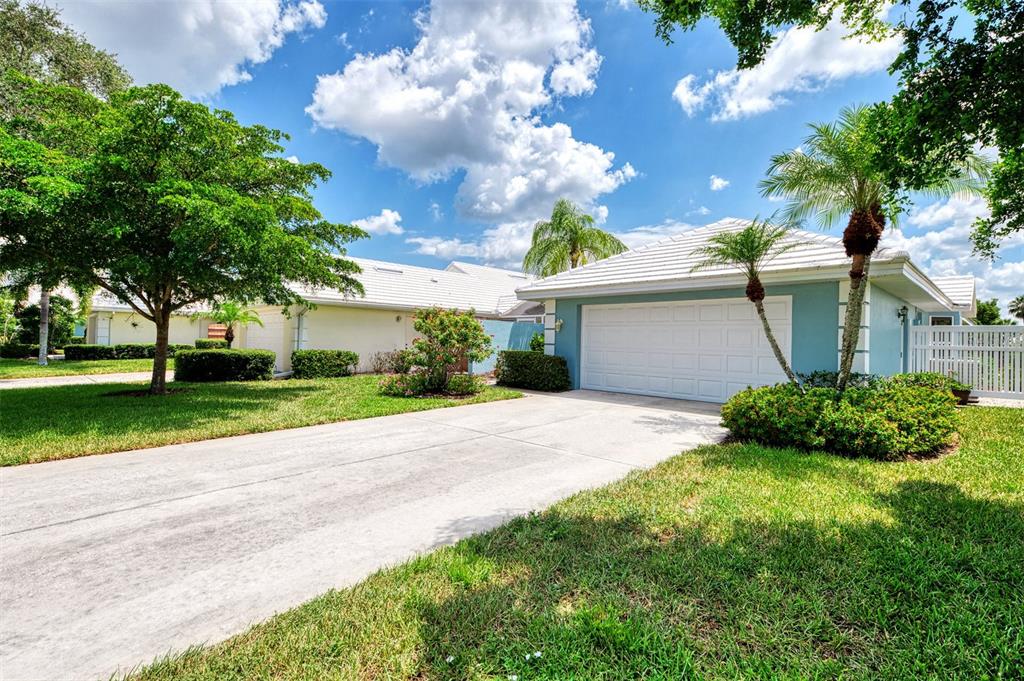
232 314
749 250
566 241
832 176
1017 308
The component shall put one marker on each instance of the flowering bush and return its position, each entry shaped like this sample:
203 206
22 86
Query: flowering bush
449 340
403 385
464 384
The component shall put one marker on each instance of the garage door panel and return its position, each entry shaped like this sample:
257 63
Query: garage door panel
705 350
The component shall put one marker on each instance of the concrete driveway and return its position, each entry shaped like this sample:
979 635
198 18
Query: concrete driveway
109 561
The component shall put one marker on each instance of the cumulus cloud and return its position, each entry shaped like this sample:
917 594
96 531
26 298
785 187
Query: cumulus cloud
385 223
645 234
800 60
467 97
941 246
198 46
718 183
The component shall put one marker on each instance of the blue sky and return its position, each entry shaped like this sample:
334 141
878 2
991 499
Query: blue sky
451 127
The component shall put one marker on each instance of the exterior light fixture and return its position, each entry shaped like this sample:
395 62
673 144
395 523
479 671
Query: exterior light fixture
902 313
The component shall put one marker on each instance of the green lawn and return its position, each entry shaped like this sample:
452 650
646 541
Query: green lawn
29 368
725 562
41 424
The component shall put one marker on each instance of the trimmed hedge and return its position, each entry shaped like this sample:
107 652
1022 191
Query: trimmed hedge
211 344
532 370
887 422
223 365
76 340
323 363
90 351
18 350
135 350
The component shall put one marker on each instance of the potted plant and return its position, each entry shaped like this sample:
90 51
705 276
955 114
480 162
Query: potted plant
962 391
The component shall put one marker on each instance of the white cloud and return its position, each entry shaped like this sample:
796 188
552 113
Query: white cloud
435 211
343 41
198 46
944 248
645 234
385 223
466 97
292 159
800 60
699 210
718 183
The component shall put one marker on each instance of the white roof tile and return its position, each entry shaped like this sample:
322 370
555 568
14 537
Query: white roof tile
672 259
959 289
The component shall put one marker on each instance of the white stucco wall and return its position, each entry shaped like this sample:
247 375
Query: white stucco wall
111 328
277 335
360 330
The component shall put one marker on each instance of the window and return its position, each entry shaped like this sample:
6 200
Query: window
942 320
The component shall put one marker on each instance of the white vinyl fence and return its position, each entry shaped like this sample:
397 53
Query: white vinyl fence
989 358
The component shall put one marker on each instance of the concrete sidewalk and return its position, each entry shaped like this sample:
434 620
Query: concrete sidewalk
109 561
79 379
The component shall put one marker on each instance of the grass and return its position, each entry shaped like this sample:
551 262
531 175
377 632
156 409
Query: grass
29 368
729 561
42 424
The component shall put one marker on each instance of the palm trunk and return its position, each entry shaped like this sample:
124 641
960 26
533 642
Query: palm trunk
854 315
158 384
44 326
229 335
779 357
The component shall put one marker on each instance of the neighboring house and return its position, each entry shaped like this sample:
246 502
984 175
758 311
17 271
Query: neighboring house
382 319
112 322
642 322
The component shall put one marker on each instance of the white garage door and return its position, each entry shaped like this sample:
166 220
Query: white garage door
699 350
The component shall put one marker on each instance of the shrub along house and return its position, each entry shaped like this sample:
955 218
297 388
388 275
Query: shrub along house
643 322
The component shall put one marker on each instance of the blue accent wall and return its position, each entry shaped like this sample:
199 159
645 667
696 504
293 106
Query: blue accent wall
815 342
505 335
888 340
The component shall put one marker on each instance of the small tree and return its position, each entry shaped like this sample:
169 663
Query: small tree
178 205
231 314
988 314
1017 308
450 340
568 240
60 322
749 250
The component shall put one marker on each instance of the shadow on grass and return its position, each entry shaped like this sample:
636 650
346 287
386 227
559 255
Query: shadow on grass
937 591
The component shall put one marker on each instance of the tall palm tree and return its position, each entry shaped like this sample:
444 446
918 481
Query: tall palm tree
749 250
832 176
568 240
232 314
1017 308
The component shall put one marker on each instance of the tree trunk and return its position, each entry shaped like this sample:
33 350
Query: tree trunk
158 384
854 314
779 357
44 326
229 335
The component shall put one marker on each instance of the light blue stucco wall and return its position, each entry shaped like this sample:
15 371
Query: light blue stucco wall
815 321
888 339
505 335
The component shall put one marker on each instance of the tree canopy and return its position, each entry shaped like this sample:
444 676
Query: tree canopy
174 205
989 315
960 87
566 241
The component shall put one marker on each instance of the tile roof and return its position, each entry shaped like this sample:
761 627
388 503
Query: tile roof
672 259
959 289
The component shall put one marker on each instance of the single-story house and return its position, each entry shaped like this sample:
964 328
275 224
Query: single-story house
382 319
643 322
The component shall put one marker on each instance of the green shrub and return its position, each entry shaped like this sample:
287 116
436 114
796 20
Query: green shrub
393 362
135 350
532 370
174 348
323 363
87 351
63 317
224 365
537 342
828 379
76 340
464 384
211 344
404 385
928 379
886 421
19 350
450 339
